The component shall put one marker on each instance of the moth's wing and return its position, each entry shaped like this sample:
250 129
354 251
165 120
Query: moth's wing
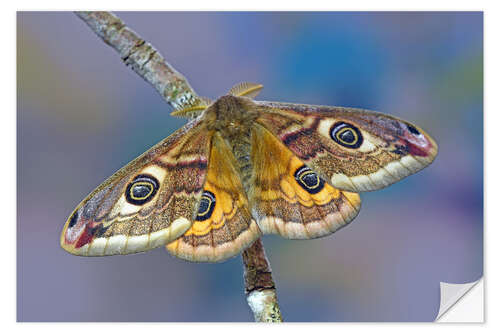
288 198
356 150
223 226
146 204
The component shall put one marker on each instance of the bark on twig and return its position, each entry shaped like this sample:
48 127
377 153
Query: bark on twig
259 285
142 57
174 88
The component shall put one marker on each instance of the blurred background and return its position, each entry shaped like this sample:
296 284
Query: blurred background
82 115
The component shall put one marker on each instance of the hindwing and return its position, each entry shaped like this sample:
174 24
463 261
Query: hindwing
288 198
223 226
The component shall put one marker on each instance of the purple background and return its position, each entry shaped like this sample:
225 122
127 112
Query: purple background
82 115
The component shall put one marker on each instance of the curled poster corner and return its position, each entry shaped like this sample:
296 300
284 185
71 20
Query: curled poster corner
458 304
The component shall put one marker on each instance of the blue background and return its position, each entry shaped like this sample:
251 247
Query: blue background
82 115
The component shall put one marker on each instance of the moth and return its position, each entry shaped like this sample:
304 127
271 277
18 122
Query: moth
241 168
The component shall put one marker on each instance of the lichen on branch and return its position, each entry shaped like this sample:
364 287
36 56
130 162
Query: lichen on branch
142 57
259 285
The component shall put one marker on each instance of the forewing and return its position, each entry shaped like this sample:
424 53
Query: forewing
146 204
356 150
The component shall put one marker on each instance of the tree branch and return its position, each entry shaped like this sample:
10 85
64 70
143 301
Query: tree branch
259 285
142 57
174 88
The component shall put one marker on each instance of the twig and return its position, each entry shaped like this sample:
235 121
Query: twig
174 88
259 285
142 57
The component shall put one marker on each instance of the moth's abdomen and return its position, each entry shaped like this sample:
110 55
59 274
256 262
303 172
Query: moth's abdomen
240 144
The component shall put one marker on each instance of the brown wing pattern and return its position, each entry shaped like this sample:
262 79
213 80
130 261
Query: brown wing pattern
223 226
299 171
146 204
288 198
357 150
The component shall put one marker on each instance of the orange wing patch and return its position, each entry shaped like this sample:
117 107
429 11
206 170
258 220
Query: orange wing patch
290 199
223 225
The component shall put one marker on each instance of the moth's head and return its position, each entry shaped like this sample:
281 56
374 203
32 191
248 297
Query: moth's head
231 111
227 103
